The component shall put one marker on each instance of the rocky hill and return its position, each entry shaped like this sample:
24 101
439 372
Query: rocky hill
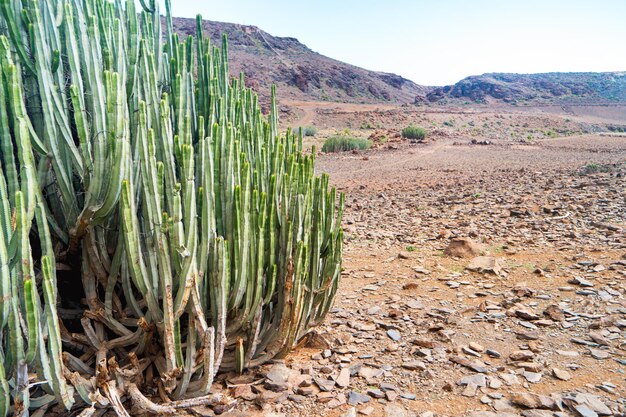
303 74
556 87
299 72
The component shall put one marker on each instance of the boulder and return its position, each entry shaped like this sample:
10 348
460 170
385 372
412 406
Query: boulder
463 248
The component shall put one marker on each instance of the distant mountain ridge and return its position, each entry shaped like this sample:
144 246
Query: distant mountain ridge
299 72
555 87
302 74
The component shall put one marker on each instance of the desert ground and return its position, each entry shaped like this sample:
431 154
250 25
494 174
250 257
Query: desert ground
484 270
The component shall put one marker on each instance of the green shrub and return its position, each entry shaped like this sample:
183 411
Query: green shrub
345 143
309 131
594 168
413 132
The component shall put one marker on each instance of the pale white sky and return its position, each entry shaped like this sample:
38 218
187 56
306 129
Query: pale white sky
437 42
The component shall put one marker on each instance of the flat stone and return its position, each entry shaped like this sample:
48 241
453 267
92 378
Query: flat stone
583 342
529 335
504 405
599 354
367 410
528 325
414 304
530 366
391 395
343 379
509 379
533 377
296 398
594 403
470 352
493 353
375 393
355 398
244 392
495 383
568 353
370 373
326 385
526 315
476 347
277 377
476 366
530 400
521 355
470 390
373 311
554 312
394 335
414 365
385 386
582 282
305 391
585 411
537 413
486 265
561 374
479 380
336 402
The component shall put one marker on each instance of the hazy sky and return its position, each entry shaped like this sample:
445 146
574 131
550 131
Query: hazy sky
437 42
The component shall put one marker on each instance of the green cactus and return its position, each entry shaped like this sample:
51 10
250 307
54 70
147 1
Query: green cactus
202 238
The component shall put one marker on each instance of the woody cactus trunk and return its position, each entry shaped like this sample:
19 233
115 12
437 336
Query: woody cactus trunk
198 236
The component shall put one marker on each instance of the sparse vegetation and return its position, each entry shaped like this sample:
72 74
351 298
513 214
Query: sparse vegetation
599 168
550 133
345 143
309 131
413 132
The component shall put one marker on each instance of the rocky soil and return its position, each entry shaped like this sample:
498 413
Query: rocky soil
478 281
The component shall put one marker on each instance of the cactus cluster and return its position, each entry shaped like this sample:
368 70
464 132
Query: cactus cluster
132 163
